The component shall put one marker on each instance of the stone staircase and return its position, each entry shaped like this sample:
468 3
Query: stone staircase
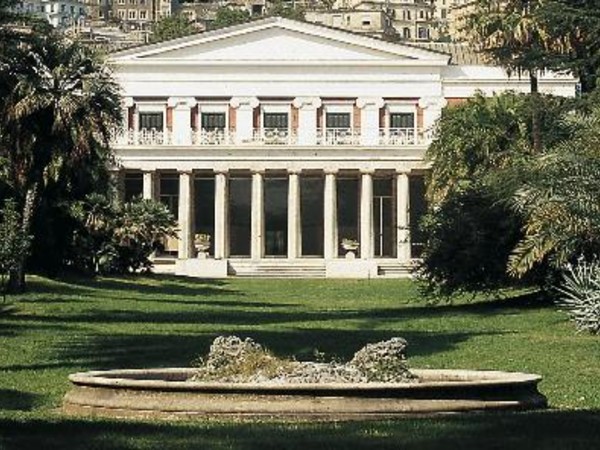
394 270
277 268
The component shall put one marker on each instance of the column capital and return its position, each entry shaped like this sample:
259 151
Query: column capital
432 102
370 102
403 172
181 102
294 171
257 171
367 171
189 172
244 102
328 171
220 171
307 102
128 102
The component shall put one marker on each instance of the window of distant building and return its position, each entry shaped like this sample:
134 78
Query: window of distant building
143 15
121 14
421 14
132 14
406 33
444 13
423 33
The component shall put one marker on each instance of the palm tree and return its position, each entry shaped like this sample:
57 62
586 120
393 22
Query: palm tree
558 200
517 35
60 107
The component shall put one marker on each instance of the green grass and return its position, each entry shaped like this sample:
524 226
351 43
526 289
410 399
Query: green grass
62 327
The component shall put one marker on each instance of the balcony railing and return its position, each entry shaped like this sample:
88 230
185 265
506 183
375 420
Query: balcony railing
322 137
274 136
338 136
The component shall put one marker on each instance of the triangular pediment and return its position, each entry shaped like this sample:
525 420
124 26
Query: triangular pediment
278 39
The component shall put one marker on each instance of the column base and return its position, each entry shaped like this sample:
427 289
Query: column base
201 268
350 268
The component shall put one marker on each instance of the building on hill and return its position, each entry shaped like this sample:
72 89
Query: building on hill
297 148
375 22
59 13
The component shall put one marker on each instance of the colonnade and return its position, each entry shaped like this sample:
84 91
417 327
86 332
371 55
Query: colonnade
220 240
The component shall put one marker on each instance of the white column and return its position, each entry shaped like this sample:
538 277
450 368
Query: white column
182 119
294 224
330 235
186 181
307 119
257 216
128 133
366 215
148 185
369 119
432 110
403 216
220 239
244 118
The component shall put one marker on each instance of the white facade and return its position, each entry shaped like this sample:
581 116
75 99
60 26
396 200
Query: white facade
59 13
281 139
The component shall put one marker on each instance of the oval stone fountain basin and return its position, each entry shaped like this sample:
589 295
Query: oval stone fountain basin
165 393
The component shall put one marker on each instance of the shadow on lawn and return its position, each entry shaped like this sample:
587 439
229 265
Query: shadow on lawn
160 285
548 430
13 400
139 351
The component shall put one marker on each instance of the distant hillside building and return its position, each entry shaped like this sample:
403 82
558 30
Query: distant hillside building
60 14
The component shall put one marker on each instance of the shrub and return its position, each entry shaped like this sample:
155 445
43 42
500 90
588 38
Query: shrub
580 295
119 238
469 238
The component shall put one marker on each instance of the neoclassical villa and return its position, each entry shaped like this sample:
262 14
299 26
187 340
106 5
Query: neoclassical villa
293 149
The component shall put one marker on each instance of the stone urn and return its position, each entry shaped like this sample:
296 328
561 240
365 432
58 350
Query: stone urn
350 245
201 244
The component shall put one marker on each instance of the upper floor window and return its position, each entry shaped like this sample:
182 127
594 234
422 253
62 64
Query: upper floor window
213 121
337 120
151 121
402 120
275 120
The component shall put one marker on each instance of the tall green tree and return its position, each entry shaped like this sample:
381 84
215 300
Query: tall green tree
227 16
60 107
518 35
172 27
557 197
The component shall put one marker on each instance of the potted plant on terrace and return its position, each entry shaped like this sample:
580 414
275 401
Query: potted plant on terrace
350 245
202 244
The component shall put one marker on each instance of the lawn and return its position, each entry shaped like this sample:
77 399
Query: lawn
62 327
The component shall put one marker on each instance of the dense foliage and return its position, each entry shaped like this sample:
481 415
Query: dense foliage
471 228
470 236
172 27
119 238
59 107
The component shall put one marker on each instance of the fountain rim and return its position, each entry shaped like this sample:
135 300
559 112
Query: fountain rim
426 379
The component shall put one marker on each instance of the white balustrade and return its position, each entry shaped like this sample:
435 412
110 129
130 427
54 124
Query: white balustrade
274 136
338 136
326 137
212 137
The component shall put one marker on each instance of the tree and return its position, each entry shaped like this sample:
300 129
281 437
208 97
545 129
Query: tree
518 35
61 107
14 242
471 230
227 16
172 27
119 238
498 133
287 10
558 199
